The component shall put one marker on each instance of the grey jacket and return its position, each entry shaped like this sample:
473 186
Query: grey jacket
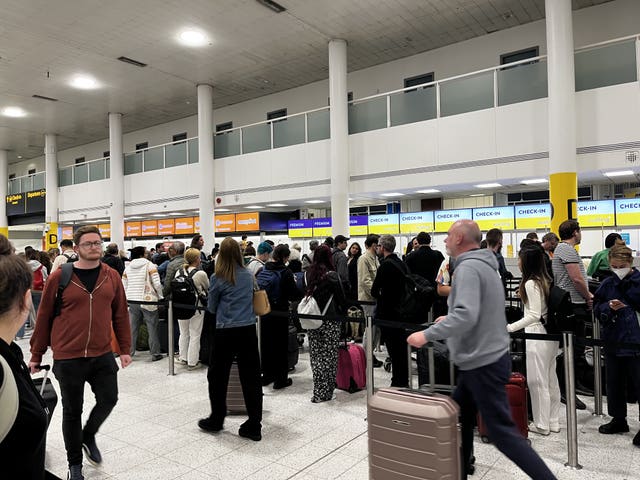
475 328
175 264
340 263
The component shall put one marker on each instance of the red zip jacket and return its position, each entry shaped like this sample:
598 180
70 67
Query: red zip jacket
83 328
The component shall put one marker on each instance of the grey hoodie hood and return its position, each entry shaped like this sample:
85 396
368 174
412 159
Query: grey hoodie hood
475 327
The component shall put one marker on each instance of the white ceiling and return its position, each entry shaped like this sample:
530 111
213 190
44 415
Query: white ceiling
253 52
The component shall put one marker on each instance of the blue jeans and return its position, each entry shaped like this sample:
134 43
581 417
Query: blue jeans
483 389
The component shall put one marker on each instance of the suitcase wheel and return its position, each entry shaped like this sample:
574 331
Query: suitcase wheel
485 439
387 364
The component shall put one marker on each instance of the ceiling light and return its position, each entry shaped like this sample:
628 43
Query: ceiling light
19 156
43 97
275 6
428 190
253 207
488 185
177 214
134 217
15 112
314 201
277 205
221 209
193 38
84 82
535 181
131 61
619 173
477 195
392 194
157 215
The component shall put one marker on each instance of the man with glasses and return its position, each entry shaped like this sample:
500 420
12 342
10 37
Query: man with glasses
78 329
368 264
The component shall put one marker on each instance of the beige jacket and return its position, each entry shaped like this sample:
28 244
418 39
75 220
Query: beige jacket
367 267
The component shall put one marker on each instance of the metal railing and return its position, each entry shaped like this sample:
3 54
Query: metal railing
26 183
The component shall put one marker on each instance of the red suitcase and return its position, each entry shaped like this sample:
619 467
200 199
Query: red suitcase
352 368
517 394
413 434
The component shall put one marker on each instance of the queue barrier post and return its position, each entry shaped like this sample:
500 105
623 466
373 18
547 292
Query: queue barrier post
597 370
369 352
170 335
570 395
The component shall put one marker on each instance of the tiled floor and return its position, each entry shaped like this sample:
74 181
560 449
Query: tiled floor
152 435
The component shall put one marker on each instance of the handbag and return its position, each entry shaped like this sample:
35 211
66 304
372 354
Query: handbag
149 294
261 304
309 306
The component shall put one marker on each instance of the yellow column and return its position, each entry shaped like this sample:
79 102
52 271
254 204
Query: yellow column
4 231
51 237
563 192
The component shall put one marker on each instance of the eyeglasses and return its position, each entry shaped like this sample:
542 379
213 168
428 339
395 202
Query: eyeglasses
91 244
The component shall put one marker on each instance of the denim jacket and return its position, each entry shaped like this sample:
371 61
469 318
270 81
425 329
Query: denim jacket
232 304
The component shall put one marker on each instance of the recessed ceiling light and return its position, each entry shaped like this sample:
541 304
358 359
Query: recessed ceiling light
221 209
535 181
15 112
314 201
619 173
488 185
253 207
477 195
177 214
277 205
134 217
428 190
392 194
19 156
157 215
193 38
84 82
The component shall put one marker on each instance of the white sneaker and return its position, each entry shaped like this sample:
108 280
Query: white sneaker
194 367
179 361
534 429
554 428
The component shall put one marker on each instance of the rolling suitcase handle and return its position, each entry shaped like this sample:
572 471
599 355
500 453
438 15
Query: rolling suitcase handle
46 369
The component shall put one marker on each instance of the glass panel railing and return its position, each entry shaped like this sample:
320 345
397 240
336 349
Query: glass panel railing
133 163
153 159
318 126
14 186
368 115
39 181
97 170
80 173
175 154
65 177
522 83
193 150
466 94
108 167
26 184
288 132
226 144
413 106
256 138
605 66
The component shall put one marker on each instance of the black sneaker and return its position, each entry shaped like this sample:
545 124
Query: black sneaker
155 358
91 451
280 385
614 426
579 403
75 472
250 432
636 439
210 425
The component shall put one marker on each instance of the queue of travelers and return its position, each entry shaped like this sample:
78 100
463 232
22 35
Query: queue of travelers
337 275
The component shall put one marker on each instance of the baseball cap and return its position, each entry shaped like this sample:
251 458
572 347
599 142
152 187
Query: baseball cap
341 238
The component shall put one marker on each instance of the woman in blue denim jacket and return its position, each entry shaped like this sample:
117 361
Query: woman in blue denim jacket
231 301
617 306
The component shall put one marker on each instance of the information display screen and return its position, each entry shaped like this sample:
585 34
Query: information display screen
628 212
444 218
381 224
533 217
416 222
150 228
599 213
247 222
358 226
321 227
300 228
225 223
494 217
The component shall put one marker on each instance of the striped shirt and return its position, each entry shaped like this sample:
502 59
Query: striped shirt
563 255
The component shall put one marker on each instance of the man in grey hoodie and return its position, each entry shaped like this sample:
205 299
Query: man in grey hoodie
476 334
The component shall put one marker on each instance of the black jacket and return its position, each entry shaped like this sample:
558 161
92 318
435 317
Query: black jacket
114 262
23 448
425 262
388 286
331 285
288 289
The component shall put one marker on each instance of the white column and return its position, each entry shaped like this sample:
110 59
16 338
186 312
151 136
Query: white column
339 151
116 172
561 85
205 160
4 179
51 186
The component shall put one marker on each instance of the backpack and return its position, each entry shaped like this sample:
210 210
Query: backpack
66 271
38 279
416 299
71 258
560 316
269 281
183 292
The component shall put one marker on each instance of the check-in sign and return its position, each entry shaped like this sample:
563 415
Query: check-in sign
599 213
533 217
416 222
628 212
444 218
494 217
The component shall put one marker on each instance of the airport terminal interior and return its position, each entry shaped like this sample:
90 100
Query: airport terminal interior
295 120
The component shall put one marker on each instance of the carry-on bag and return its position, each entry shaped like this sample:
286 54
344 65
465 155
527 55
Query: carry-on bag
352 368
235 399
517 395
413 434
46 390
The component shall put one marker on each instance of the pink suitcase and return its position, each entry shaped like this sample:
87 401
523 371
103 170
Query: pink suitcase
352 368
413 435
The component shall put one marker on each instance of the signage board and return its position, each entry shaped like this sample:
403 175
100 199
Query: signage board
16 204
105 230
150 228
166 227
35 201
132 229
300 228
184 226
628 212
533 217
416 222
358 226
321 227
66 232
598 213
381 224
494 217
225 223
247 222
444 218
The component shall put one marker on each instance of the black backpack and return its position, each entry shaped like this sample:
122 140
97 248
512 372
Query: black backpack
71 258
269 281
417 298
184 294
560 316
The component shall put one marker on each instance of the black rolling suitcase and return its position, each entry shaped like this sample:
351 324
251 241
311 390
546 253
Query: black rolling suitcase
46 391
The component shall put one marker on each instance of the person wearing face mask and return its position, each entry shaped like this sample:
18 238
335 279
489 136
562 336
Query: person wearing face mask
617 305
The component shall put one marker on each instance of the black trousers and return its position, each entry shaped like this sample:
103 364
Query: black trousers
621 370
274 348
583 372
482 390
240 343
396 341
101 374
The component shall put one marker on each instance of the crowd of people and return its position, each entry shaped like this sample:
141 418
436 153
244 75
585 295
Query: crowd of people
87 303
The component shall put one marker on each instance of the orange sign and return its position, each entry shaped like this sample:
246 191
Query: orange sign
67 233
196 224
247 222
184 226
149 228
132 229
225 223
166 227
105 230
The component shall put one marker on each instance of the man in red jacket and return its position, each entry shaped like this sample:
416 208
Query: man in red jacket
80 338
